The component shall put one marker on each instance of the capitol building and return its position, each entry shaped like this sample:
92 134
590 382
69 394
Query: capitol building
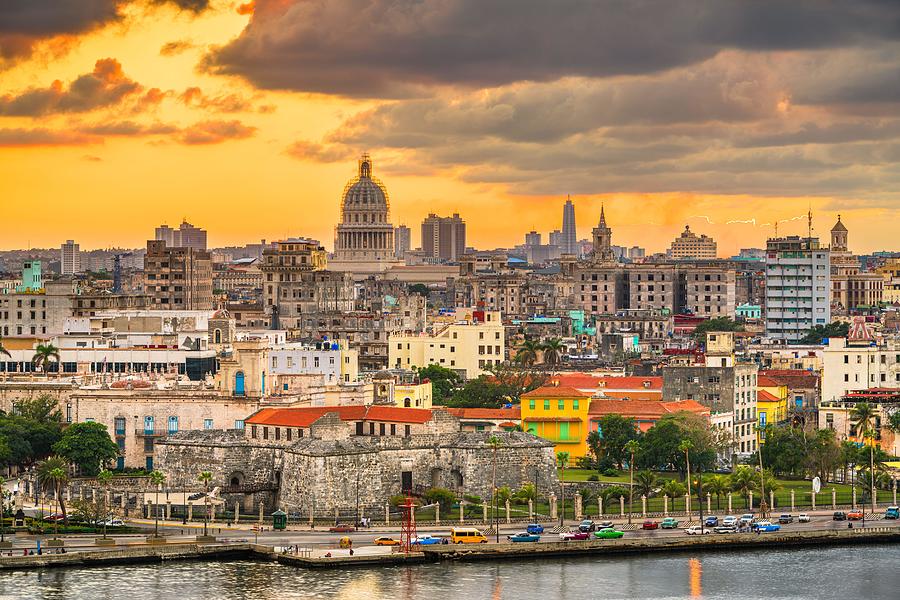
364 238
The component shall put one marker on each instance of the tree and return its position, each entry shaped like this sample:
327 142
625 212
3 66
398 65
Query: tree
516 380
418 288
718 486
862 415
631 448
613 493
205 477
443 382
553 350
55 472
673 489
104 478
743 481
481 392
441 496
157 479
43 409
88 446
562 460
44 354
527 492
646 482
824 454
716 324
660 446
817 334
685 446
894 422
527 353
614 432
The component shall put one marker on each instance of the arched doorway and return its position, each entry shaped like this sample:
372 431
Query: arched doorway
239 383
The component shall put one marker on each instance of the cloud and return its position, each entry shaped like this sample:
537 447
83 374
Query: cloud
228 103
128 128
176 47
214 132
105 86
389 48
194 6
316 152
18 138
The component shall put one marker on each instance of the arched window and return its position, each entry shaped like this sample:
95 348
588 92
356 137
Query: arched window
239 383
217 336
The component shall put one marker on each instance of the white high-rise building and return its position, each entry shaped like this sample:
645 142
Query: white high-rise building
70 258
798 287
402 240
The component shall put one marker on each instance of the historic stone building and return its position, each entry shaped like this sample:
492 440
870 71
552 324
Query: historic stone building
850 286
342 462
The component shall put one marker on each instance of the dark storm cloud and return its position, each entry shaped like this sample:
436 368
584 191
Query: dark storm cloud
385 48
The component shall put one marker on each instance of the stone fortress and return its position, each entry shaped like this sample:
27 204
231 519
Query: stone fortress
333 459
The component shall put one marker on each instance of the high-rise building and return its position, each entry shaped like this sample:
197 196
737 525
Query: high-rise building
70 258
178 278
402 240
556 239
186 236
798 287
690 246
569 243
443 238
532 238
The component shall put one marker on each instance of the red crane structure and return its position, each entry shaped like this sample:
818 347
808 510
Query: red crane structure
408 525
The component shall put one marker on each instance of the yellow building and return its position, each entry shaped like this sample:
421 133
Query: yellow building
770 409
558 414
413 395
467 346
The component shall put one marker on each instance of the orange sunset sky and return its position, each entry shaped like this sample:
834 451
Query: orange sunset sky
247 118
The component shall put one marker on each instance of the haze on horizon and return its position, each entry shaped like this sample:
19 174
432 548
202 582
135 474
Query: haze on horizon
247 118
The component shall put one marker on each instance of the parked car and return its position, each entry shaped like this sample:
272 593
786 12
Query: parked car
746 519
650 524
114 523
726 529
386 541
608 533
535 528
55 517
426 540
669 523
764 526
785 519
711 521
697 530
342 528
730 521
573 535
855 515
892 512
524 536
587 526
803 518
839 516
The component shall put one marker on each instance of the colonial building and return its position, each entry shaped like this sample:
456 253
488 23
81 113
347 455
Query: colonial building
690 246
859 362
851 287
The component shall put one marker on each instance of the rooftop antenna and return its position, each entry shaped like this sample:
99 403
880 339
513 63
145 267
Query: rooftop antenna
809 227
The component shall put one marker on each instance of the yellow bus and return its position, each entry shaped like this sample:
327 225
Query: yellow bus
466 535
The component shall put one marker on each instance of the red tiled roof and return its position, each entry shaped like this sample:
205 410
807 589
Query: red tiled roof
793 378
647 409
763 381
486 413
306 416
555 391
766 396
584 380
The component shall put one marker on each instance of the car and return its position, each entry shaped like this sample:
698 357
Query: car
573 535
803 518
608 533
604 524
535 528
726 529
342 528
524 536
765 526
892 512
649 524
669 523
746 519
114 523
587 526
426 540
55 517
855 515
711 521
730 521
785 519
386 541
839 516
697 530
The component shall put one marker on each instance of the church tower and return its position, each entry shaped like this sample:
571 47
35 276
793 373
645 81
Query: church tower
603 240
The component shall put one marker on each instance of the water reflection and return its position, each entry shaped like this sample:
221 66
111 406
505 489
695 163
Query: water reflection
820 574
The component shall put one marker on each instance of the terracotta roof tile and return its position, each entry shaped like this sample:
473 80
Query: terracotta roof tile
486 413
556 391
765 396
306 416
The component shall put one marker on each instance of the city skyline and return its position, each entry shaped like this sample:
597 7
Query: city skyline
148 112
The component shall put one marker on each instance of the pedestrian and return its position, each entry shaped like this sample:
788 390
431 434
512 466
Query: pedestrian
351 551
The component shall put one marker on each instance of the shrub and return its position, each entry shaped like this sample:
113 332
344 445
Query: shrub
593 478
472 499
442 496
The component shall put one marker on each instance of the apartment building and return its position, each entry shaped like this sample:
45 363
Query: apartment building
178 277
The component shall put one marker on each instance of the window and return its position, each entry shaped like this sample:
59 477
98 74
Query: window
173 424
575 404
120 442
531 404
277 433
253 431
239 424
381 429
207 423
546 405
148 425
148 444
561 405
265 433
120 425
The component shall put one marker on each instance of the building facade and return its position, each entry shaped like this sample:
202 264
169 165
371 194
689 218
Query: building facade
443 238
798 287
178 278
402 241
186 236
690 246
70 258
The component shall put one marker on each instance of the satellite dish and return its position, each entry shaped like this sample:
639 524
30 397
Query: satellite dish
816 485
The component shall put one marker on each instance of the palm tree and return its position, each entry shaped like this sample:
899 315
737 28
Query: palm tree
631 447
104 478
3 349
742 482
43 354
862 415
562 459
494 442
685 446
646 482
673 490
157 479
717 485
205 477
527 353
55 471
553 351
762 472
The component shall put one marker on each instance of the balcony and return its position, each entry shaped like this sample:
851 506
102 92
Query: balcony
155 432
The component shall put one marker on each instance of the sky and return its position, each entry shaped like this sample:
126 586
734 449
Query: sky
247 118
